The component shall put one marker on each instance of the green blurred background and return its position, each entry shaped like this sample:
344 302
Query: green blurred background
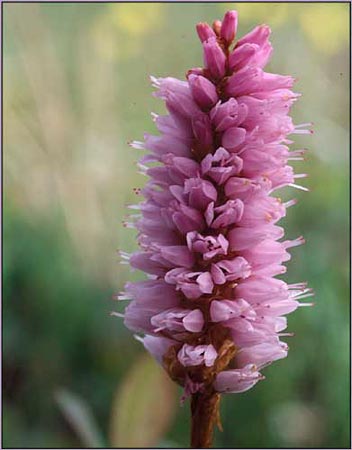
76 90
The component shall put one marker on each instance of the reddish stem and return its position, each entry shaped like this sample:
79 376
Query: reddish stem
205 415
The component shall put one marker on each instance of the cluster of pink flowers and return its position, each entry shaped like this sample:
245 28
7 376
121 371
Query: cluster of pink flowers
207 231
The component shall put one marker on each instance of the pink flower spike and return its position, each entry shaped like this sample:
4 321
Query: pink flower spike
212 310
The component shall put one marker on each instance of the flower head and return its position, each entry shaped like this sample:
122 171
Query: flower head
212 311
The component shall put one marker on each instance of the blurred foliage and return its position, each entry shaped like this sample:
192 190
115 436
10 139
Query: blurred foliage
80 418
76 89
147 397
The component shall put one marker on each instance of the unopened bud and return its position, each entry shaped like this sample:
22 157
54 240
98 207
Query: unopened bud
203 91
214 58
217 27
229 27
204 31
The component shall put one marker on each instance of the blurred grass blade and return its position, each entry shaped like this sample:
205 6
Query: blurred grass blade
79 415
143 407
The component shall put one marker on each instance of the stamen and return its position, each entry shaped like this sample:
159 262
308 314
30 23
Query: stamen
294 243
302 131
279 186
310 294
296 294
138 338
156 330
298 285
134 216
143 168
297 186
122 296
155 81
117 314
124 255
298 152
304 125
308 303
139 145
128 224
290 203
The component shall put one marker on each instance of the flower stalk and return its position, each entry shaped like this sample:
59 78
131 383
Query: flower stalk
205 413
